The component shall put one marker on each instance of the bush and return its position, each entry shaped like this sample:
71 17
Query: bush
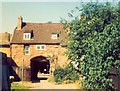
68 74
71 73
59 74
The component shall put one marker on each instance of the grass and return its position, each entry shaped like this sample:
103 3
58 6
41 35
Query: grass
51 79
16 86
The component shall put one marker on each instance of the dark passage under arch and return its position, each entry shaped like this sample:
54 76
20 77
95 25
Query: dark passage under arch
39 64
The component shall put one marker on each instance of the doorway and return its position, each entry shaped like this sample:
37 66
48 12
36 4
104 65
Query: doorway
41 65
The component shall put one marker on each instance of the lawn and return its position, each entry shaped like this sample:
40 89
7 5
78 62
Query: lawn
16 86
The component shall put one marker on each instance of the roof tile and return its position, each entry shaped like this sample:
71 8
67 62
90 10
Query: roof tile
42 33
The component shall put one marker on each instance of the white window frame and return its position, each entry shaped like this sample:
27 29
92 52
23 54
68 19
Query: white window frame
27 36
27 50
40 47
54 36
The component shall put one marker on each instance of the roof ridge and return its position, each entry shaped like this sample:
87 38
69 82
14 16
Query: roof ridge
40 23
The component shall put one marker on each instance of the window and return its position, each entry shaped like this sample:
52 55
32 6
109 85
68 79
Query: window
40 47
27 36
54 36
27 49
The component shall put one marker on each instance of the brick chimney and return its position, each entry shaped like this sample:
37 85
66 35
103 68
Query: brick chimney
19 23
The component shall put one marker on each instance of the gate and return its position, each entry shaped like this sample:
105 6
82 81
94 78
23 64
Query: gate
26 73
115 76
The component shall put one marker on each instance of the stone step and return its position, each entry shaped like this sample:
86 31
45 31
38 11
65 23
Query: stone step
43 75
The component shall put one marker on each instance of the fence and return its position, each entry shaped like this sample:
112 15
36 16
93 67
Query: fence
113 74
26 73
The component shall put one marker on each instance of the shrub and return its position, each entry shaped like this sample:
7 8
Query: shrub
71 73
59 74
68 74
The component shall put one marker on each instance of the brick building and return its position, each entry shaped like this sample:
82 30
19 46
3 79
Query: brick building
39 43
5 43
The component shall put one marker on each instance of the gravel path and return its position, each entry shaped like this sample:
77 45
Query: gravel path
44 84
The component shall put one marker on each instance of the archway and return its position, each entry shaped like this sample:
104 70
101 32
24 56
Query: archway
39 64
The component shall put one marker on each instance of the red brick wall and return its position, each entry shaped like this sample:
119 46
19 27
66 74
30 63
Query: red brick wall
17 52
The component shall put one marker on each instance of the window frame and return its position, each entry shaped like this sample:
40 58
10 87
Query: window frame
27 36
40 47
54 36
28 50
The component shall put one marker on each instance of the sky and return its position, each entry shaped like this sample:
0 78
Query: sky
35 11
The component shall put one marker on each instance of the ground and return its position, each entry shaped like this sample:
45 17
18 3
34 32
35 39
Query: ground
47 85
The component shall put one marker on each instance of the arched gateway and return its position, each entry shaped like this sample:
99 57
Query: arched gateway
39 64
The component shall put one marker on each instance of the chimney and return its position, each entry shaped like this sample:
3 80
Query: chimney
19 24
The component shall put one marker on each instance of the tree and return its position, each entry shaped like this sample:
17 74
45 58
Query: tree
49 22
96 35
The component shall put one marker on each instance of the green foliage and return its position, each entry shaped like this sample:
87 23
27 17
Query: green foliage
16 86
71 74
49 22
65 74
59 74
96 36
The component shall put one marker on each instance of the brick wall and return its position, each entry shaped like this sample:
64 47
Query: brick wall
4 37
18 54
5 50
5 43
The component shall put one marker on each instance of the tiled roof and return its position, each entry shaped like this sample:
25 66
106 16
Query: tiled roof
41 33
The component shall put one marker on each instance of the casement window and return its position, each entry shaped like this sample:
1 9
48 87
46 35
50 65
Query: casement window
27 36
55 36
40 47
27 49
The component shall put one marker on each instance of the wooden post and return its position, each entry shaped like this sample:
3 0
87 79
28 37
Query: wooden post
22 70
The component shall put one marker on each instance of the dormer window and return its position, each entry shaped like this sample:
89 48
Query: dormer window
27 36
55 36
